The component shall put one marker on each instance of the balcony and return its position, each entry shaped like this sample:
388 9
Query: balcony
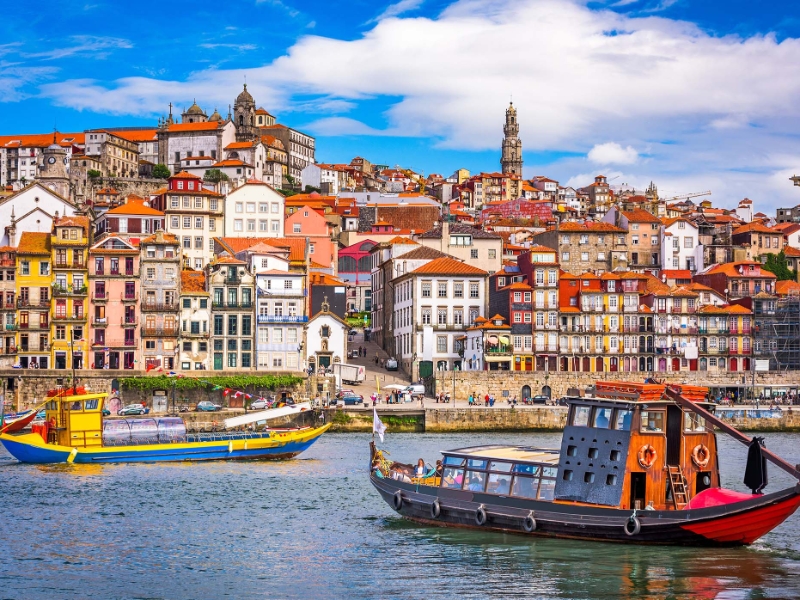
128 322
101 297
34 348
713 330
289 319
8 350
128 297
8 306
500 349
35 304
127 343
160 331
69 265
8 262
159 306
39 325
192 334
235 280
70 290
11 327
232 305
116 273
72 317
100 322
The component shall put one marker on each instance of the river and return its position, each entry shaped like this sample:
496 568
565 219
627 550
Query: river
314 528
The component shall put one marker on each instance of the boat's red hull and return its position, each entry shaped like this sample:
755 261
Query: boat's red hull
18 424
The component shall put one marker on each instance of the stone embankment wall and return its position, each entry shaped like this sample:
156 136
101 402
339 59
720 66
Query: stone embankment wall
496 382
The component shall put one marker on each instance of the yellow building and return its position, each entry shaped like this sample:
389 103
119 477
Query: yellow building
34 281
69 242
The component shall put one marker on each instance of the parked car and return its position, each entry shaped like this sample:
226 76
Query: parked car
353 400
207 406
347 392
391 364
415 389
540 399
131 409
259 404
352 354
106 412
352 332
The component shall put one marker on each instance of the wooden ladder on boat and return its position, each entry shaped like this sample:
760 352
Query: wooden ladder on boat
680 497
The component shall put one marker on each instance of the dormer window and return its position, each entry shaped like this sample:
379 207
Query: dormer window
191 185
180 185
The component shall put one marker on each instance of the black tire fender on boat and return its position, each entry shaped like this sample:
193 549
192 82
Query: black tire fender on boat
397 501
529 524
480 515
637 526
436 509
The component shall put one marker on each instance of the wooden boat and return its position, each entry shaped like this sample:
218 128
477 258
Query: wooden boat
18 422
76 431
638 463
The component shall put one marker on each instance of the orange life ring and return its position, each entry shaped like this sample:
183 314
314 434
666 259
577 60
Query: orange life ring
647 456
701 456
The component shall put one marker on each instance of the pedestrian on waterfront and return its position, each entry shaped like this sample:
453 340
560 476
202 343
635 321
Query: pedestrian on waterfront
486 400
470 400
376 358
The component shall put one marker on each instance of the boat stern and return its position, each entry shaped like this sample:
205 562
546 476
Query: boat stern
31 448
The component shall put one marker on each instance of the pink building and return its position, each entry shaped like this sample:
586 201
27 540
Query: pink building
306 222
114 289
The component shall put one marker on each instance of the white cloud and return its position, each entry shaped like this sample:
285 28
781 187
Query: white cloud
91 45
579 77
611 153
397 9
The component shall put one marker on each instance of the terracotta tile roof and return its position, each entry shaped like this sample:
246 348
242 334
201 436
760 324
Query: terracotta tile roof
782 288
135 207
193 282
206 126
730 309
42 140
459 228
699 287
424 253
161 237
82 222
518 285
324 279
791 251
143 135
607 276
32 242
238 145
732 270
296 247
184 175
640 215
448 266
231 162
680 291
676 273
673 220
754 227
589 227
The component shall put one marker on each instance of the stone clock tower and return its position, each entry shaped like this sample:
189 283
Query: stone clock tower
511 158
53 170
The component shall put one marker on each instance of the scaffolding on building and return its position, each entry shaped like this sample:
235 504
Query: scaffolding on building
777 331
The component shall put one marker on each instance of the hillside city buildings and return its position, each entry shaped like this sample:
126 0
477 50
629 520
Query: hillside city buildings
246 254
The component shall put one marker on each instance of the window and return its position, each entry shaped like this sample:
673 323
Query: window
198 201
426 289
442 289
296 228
251 224
262 225
441 344
175 222
239 207
458 290
238 225
441 316
212 224
232 325
473 253
635 240
458 317
187 242
580 417
492 253
275 208
44 268
565 256
187 222
198 243
584 257
623 422
151 272
426 316
652 420
250 207
198 222
602 418
688 242
232 359
473 290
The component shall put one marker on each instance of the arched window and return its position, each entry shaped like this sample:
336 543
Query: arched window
347 264
364 264
241 120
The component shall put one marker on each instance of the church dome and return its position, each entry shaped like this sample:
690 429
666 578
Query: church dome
511 108
244 97
215 116
195 110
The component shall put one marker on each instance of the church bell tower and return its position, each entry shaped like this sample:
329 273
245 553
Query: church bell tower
511 157
53 172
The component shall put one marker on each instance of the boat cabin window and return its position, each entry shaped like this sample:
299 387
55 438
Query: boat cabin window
475 482
693 423
623 420
580 418
453 461
91 404
602 418
499 483
501 467
476 464
534 481
652 421
452 477
73 405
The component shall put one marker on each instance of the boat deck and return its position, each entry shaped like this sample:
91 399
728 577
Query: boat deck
508 453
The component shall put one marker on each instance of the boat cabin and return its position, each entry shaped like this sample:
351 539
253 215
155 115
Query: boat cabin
629 446
522 471
75 421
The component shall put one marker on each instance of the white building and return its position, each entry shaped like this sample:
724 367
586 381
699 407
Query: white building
680 245
433 306
254 210
31 209
319 175
326 339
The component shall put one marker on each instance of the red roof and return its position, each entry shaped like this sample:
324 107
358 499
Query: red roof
639 215
448 266
206 126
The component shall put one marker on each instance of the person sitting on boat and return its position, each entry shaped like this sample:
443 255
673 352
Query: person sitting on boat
439 468
475 483
419 470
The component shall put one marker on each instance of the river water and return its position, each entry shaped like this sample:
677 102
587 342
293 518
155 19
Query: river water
314 528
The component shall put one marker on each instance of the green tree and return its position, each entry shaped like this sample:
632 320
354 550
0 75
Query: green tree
779 266
310 188
215 176
93 173
161 171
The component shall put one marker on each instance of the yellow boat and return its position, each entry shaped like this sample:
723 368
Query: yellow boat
75 431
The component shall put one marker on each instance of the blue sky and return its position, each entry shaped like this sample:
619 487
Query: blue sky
693 95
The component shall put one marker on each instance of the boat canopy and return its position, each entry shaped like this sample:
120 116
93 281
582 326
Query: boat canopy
266 415
508 453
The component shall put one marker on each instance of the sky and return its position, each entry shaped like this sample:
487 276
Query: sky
694 95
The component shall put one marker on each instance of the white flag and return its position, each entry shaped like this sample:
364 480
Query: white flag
377 425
